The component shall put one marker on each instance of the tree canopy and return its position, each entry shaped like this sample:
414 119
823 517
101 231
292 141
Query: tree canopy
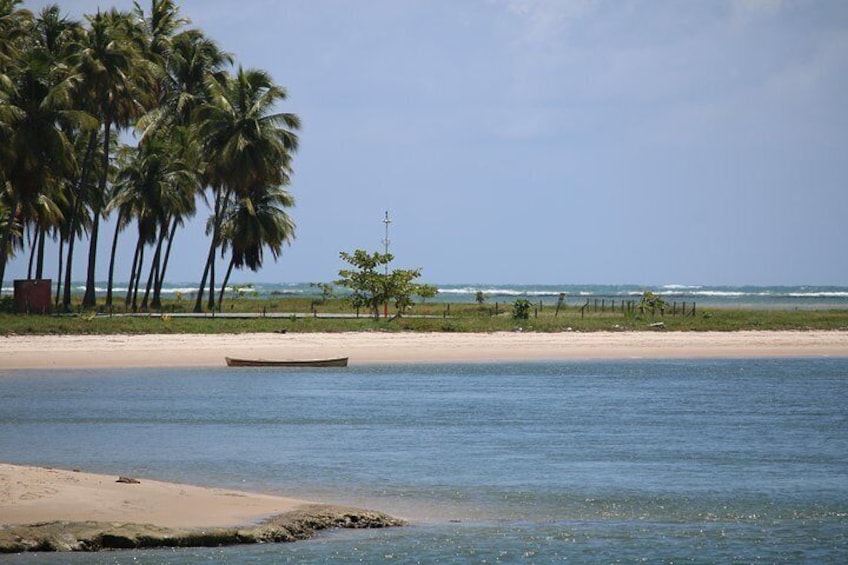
372 285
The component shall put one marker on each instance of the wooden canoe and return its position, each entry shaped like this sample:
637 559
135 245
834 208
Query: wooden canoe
335 362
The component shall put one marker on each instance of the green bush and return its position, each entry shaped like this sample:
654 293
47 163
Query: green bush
521 309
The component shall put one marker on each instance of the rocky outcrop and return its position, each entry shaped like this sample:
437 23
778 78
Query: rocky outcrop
299 524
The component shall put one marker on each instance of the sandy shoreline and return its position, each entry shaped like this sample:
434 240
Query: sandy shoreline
193 350
36 494
43 509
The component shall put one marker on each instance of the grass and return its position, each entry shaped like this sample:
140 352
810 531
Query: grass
442 318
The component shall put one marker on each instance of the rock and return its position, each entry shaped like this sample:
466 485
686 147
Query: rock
299 524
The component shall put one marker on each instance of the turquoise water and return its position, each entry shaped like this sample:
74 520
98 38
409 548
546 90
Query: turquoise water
586 462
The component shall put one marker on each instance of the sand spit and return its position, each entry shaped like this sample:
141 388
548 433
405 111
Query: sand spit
45 509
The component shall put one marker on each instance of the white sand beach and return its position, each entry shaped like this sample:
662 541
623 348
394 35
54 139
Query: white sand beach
192 350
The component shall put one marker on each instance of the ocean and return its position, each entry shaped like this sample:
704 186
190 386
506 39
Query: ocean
672 461
766 297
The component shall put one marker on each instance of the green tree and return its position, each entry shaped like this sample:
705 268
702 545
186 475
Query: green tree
117 78
36 155
372 284
247 146
368 283
257 221
153 186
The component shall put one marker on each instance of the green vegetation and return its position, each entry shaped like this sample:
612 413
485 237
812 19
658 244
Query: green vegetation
306 314
372 288
521 309
69 88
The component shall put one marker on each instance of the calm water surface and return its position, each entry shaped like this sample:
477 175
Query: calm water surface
663 462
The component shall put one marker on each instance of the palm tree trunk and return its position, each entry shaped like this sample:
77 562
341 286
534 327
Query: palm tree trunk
224 284
157 291
198 303
211 305
112 260
89 299
39 259
154 267
75 214
5 240
128 297
59 276
220 208
32 252
137 280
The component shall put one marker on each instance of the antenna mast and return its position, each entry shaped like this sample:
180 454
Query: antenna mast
386 241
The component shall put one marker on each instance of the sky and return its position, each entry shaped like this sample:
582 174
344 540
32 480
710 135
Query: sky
549 141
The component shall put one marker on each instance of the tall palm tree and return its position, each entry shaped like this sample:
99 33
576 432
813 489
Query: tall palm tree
35 154
154 185
247 145
116 77
15 25
257 221
56 36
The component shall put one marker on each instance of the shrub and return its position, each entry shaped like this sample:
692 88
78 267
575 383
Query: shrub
521 309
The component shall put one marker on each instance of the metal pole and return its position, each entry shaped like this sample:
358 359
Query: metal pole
386 241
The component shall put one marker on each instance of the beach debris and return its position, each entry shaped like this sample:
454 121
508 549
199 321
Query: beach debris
128 480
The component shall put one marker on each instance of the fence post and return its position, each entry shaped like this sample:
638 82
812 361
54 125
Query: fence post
560 300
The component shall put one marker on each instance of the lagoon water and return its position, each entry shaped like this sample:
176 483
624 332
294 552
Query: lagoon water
701 461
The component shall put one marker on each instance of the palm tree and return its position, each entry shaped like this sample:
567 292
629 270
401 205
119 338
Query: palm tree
181 201
192 63
55 35
36 154
160 27
258 220
116 78
15 26
246 146
80 189
156 188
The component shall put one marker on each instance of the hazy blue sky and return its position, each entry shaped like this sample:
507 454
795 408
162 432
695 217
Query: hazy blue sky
552 141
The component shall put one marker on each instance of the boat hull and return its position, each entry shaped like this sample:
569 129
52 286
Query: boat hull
335 362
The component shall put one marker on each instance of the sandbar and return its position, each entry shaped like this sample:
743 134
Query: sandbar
45 509
194 350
